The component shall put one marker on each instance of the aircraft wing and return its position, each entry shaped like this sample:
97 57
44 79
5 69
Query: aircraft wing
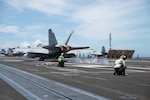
64 48
49 47
75 48
36 54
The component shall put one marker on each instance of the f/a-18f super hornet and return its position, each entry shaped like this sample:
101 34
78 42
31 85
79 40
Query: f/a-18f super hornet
54 50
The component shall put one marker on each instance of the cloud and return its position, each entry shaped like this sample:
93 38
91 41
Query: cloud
25 44
45 6
33 27
48 6
121 18
93 20
35 43
16 30
18 4
9 29
8 44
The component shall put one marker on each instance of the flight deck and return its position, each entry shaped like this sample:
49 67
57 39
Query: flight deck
75 81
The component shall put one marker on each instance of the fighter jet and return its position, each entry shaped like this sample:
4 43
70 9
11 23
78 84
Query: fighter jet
101 53
3 52
54 50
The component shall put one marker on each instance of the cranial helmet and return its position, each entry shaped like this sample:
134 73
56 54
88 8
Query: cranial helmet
123 57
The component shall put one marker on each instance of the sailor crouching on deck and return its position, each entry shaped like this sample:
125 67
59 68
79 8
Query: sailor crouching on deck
119 67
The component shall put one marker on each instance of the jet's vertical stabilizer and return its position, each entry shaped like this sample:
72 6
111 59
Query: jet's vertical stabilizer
66 43
52 38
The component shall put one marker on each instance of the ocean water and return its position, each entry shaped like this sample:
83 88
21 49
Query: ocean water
141 58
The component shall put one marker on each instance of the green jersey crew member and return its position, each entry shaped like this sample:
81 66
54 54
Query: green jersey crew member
61 60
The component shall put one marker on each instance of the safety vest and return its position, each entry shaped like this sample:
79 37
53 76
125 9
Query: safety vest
62 58
119 63
59 59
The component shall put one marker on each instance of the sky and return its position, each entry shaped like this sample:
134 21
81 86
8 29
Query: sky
26 22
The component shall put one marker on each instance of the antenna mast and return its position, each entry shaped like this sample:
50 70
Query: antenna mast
110 41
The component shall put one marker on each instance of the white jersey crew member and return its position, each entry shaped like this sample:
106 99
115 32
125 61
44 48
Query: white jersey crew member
120 66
